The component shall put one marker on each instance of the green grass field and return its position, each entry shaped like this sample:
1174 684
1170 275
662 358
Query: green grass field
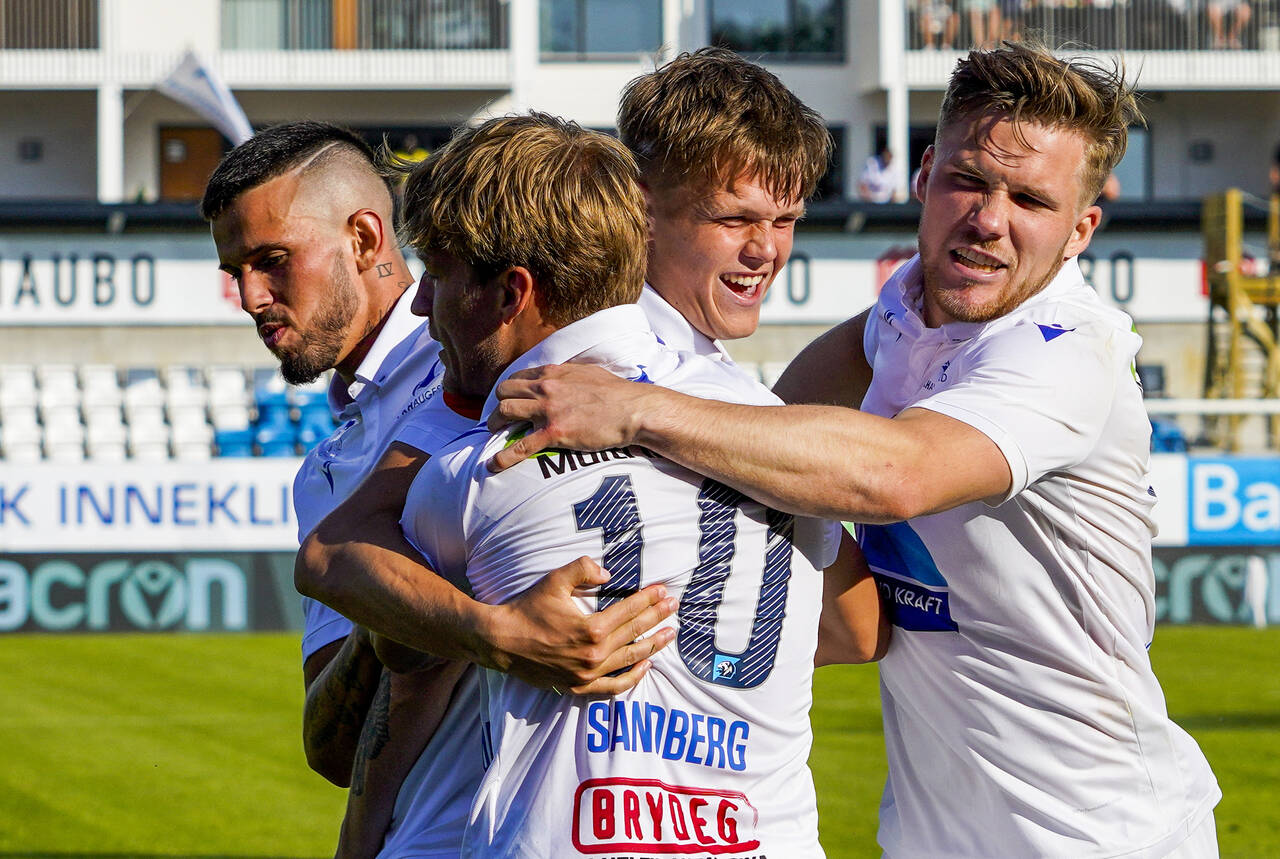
186 745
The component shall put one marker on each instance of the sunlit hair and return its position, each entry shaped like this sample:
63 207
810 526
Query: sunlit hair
540 192
709 117
1026 82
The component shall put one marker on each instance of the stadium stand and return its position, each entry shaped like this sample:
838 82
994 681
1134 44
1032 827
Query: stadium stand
97 412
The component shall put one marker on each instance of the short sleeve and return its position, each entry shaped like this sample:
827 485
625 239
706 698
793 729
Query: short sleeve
321 625
1042 394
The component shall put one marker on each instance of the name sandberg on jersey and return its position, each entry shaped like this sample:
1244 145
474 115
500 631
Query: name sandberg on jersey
708 754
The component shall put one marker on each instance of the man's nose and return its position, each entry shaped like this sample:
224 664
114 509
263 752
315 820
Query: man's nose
761 243
255 295
421 305
990 215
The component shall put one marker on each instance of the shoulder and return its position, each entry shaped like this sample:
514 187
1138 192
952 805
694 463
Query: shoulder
1075 327
699 376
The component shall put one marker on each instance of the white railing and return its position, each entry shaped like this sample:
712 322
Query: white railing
265 69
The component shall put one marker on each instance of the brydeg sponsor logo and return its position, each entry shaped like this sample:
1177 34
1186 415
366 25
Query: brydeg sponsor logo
611 814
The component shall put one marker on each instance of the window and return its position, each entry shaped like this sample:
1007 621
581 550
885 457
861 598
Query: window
831 185
1134 170
589 29
802 30
49 25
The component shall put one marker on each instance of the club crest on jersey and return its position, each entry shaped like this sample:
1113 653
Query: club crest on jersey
613 814
724 667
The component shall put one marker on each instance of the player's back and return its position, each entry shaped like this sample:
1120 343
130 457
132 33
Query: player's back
708 754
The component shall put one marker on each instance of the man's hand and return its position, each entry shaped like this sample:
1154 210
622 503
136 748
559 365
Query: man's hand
544 638
573 406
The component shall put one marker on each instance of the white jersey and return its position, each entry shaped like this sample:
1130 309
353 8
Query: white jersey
708 754
1021 714
400 376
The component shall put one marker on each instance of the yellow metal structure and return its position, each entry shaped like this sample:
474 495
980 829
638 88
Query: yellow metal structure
1249 302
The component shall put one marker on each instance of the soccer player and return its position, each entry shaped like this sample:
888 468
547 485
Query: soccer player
1002 457
533 233
302 218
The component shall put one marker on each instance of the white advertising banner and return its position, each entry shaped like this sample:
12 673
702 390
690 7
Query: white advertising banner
48 279
121 280
1154 277
220 505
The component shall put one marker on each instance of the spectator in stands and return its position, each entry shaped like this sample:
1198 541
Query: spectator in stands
984 22
302 219
938 22
1012 13
1217 11
877 183
1273 174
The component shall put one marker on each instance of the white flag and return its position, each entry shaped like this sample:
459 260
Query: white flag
195 85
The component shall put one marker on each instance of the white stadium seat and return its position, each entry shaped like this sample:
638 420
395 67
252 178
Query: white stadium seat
64 438
18 386
149 438
142 389
100 386
227 386
185 386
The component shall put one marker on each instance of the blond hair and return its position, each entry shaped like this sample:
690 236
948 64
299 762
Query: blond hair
540 192
708 117
1026 82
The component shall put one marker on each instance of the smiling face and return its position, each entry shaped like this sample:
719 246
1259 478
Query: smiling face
291 259
713 256
999 217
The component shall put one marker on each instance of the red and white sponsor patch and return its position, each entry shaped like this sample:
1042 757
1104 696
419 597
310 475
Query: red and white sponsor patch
611 814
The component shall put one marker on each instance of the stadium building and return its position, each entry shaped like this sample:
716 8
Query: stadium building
127 365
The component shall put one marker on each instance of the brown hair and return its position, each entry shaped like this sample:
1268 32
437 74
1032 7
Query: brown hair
711 116
1026 82
540 192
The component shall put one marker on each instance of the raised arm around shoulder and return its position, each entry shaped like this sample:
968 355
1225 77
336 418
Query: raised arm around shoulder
853 626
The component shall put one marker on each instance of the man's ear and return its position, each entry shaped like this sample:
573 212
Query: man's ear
368 236
648 209
1083 231
922 176
518 293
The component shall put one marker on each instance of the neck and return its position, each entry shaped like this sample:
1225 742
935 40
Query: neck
384 291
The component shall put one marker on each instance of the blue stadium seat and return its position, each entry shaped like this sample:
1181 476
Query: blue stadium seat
234 442
314 424
274 431
1166 437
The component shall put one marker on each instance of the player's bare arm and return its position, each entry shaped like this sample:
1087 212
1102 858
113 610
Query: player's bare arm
359 562
405 714
341 679
826 461
853 626
832 370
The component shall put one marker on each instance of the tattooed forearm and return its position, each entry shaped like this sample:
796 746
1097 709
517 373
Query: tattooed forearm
373 739
336 704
